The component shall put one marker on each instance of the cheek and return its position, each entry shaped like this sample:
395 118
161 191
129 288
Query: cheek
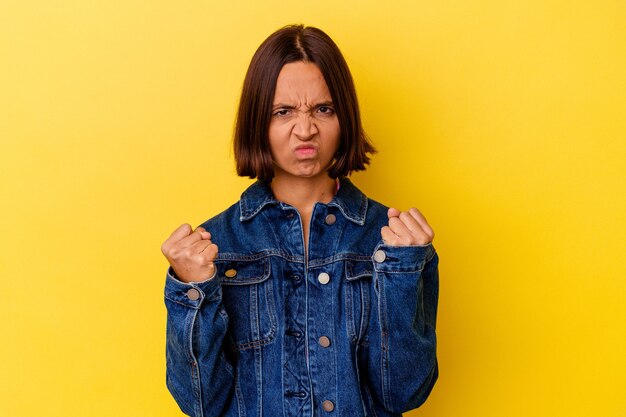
278 141
335 135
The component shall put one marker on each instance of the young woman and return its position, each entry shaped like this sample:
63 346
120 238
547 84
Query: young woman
305 298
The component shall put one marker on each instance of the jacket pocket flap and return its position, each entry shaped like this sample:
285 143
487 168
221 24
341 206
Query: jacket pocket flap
232 272
358 269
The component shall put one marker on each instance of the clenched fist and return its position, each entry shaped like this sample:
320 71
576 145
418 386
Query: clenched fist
190 253
406 228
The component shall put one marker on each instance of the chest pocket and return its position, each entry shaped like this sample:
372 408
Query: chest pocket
248 299
358 298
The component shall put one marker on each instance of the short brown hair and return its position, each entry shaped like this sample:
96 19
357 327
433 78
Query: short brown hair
295 43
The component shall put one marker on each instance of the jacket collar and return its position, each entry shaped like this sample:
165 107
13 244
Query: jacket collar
349 199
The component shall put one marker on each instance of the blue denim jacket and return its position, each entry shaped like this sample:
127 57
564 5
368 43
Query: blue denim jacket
346 330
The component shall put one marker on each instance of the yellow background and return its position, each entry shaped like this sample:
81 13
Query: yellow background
504 122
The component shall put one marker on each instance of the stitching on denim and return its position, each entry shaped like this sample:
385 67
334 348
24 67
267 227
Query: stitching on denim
239 395
346 256
249 280
371 401
400 271
349 316
181 303
255 343
269 299
246 214
384 351
350 276
365 313
229 256
195 370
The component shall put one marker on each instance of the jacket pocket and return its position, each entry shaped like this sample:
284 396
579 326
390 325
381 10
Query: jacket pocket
248 298
358 298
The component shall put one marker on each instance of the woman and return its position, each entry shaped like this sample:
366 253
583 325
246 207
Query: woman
319 301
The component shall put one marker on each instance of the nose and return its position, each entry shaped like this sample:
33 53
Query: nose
304 127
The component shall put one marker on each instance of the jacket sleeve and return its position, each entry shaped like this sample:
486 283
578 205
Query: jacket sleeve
198 375
402 354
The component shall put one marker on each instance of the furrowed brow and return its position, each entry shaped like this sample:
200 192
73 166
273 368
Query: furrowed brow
291 107
283 106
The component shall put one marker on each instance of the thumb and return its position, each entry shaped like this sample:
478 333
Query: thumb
203 233
393 212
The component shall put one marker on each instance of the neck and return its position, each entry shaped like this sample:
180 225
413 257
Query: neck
303 193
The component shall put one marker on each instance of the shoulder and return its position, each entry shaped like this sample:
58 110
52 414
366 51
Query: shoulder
223 221
376 209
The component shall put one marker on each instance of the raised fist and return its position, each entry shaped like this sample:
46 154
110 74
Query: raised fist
406 228
190 253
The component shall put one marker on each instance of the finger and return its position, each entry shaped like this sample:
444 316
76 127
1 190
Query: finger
393 212
417 215
399 228
203 233
389 237
200 245
211 252
190 240
411 224
182 231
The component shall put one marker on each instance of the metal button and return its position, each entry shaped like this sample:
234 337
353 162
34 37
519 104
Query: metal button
330 219
290 215
324 341
380 255
193 294
230 273
323 278
328 406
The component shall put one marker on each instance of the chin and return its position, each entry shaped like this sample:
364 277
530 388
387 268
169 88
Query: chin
312 171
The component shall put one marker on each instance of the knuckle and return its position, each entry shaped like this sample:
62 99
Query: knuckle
395 242
179 254
173 253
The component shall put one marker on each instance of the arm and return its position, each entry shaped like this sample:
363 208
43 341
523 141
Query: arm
198 375
402 355
402 359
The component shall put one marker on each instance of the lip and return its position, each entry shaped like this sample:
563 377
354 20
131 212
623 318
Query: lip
306 150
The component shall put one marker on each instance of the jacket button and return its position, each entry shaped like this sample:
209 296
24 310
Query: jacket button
330 219
324 341
380 256
231 273
193 294
328 406
323 278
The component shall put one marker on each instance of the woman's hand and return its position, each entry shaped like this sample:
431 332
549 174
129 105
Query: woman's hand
406 228
190 253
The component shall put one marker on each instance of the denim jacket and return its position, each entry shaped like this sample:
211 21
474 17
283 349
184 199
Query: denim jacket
347 329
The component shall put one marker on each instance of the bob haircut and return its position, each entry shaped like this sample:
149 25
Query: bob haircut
295 43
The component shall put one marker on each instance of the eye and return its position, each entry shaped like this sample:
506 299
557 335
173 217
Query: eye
281 112
325 110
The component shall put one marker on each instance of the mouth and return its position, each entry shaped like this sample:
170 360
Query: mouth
306 150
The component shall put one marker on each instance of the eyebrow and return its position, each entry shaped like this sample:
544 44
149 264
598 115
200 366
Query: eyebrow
290 107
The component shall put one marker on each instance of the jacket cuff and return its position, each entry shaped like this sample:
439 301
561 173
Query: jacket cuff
191 294
388 258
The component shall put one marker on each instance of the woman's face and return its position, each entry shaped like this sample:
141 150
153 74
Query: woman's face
304 129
